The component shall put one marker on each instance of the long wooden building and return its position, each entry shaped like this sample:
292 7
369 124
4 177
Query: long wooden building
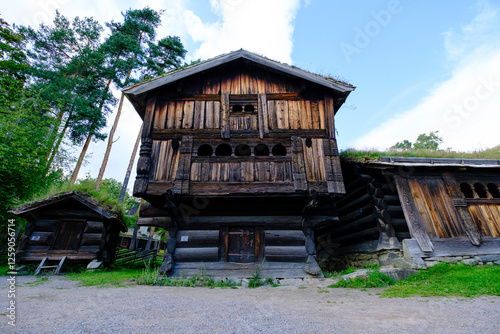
426 209
239 162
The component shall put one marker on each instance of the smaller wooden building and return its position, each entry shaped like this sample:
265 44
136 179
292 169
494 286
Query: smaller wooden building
70 226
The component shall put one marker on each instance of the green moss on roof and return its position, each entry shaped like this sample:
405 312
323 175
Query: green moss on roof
85 189
354 155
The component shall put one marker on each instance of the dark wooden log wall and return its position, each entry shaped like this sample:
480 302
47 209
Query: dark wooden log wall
370 211
40 237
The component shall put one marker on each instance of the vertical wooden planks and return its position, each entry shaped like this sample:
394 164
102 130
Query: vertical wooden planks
263 115
188 115
181 184
463 215
309 115
298 168
170 115
303 114
412 215
209 115
294 116
234 172
247 172
321 112
310 161
279 114
199 109
286 116
315 114
329 116
271 109
179 107
160 115
216 115
244 83
224 106
148 116
196 171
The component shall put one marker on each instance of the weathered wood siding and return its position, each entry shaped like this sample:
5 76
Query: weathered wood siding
41 238
487 219
435 207
164 161
240 106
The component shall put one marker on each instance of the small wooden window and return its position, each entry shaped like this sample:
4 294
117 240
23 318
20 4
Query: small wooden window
480 190
493 189
205 150
279 149
261 150
242 150
466 190
223 150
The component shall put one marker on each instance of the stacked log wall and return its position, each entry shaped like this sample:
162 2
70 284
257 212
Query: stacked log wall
96 241
370 215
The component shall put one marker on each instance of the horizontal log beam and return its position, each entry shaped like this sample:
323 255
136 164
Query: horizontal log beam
285 238
196 254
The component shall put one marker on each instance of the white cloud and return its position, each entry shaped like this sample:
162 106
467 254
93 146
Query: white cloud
261 26
464 108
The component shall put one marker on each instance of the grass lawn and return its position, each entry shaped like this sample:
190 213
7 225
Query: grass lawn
449 280
106 278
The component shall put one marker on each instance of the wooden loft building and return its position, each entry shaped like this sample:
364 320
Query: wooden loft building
67 227
239 162
429 208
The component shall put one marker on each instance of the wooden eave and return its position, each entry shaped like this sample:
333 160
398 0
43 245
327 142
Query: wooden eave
138 92
26 209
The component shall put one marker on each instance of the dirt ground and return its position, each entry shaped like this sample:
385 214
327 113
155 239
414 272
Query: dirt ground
60 306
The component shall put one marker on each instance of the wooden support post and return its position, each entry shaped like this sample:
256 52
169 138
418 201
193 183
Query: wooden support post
329 115
224 108
298 164
334 179
412 215
181 183
143 167
263 115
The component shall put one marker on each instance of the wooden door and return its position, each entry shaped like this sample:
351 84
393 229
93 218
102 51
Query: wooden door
241 245
68 235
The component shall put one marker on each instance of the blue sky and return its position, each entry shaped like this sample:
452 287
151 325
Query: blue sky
418 66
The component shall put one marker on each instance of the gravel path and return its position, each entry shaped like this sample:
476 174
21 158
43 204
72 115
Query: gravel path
60 306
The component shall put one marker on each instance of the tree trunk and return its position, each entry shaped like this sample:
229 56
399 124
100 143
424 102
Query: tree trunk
150 239
80 159
136 228
110 143
129 168
56 147
85 147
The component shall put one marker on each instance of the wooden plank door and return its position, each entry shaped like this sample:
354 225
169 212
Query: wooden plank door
68 235
241 245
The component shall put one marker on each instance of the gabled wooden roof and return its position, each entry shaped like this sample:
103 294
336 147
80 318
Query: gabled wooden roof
25 209
136 92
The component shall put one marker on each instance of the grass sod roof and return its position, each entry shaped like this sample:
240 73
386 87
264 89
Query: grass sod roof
108 208
366 156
